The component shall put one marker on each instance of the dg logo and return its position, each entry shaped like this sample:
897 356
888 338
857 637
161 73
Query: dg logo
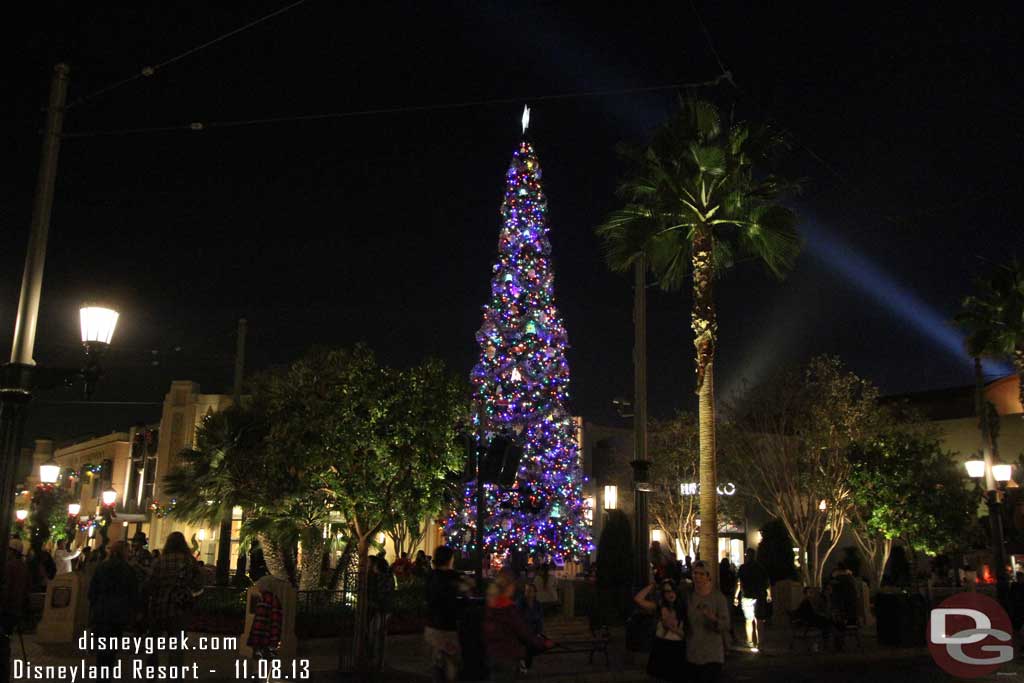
970 635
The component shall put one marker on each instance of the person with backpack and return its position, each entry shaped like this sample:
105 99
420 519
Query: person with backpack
753 593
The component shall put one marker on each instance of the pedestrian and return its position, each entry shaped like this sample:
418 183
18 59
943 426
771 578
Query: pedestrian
753 593
139 556
667 661
63 557
402 567
443 605
380 596
547 590
506 635
113 601
421 565
14 606
83 559
170 592
533 615
708 616
727 584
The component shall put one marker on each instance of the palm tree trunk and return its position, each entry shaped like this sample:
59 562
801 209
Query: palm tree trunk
272 556
981 410
641 571
312 559
705 329
1018 364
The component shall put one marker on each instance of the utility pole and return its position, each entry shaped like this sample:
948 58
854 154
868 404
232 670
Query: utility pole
640 463
16 376
224 540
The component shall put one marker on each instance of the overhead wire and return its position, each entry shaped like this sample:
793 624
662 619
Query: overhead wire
147 71
201 125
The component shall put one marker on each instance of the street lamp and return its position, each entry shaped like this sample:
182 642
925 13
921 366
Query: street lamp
49 472
611 497
21 516
74 509
109 497
98 324
994 500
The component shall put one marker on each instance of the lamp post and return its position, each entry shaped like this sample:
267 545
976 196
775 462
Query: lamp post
999 474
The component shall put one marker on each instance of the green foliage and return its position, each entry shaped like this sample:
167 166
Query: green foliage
370 442
48 515
696 180
228 467
993 318
334 432
907 487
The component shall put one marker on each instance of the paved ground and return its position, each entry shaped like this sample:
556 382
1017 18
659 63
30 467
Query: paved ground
407 661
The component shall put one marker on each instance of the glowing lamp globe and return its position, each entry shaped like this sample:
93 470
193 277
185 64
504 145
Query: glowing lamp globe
109 497
823 505
49 472
975 468
1002 473
74 509
21 515
98 324
201 536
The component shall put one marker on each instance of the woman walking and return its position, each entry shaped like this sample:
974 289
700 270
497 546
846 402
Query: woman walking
170 591
667 661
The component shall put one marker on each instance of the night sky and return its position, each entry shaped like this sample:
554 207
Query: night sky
383 228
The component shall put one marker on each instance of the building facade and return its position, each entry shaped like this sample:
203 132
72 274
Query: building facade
134 463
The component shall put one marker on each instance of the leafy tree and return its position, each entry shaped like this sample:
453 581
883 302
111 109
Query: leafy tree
904 486
48 516
367 441
790 449
694 207
674 449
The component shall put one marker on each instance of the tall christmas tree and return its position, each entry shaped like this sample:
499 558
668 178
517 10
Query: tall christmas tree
520 388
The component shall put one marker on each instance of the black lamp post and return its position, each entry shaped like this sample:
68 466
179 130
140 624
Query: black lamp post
999 474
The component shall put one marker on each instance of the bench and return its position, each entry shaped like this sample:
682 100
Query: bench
591 646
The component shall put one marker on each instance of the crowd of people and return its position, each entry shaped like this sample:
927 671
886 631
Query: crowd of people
498 639
130 588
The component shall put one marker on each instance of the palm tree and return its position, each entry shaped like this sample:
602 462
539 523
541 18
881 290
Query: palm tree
993 318
695 207
221 473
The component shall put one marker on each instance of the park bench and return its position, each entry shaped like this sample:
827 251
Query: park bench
597 644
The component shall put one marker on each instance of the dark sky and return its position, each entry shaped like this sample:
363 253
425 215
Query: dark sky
383 228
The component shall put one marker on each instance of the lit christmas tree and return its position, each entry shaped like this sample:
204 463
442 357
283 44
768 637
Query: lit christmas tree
520 387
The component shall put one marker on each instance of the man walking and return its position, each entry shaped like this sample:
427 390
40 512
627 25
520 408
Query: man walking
753 593
441 631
